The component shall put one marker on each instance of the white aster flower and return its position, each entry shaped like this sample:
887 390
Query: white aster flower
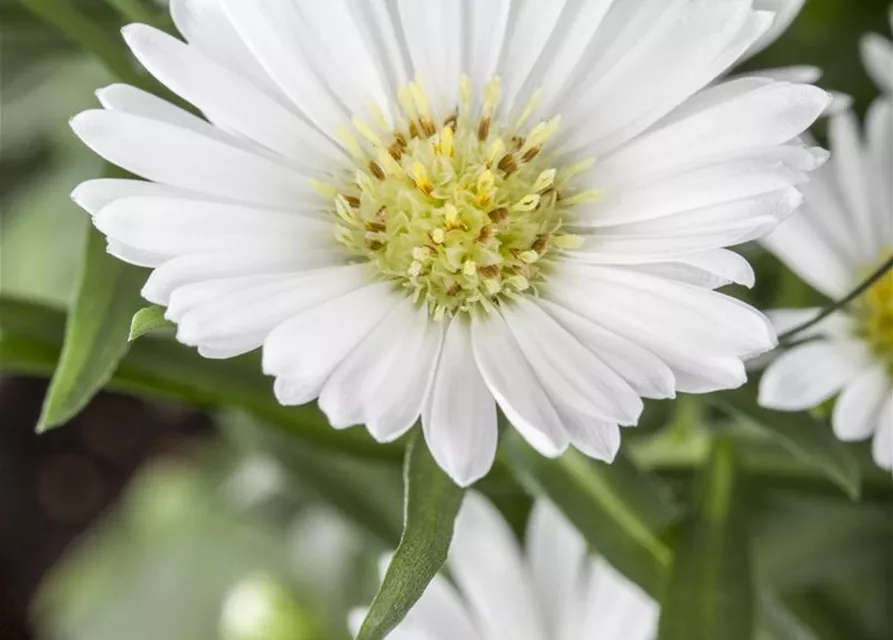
552 590
877 54
434 207
844 233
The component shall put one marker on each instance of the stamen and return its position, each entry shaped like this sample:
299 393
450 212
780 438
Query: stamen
464 215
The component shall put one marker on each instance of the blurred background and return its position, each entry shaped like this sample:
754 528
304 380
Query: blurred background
146 515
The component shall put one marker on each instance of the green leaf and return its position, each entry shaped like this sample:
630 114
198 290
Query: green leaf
108 294
431 505
809 440
146 320
710 592
154 367
621 511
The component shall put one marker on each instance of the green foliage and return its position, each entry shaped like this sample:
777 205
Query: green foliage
710 591
95 334
622 512
808 439
146 320
431 504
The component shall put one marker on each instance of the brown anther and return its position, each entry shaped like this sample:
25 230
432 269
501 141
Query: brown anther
498 215
484 129
373 245
454 289
375 227
353 201
428 126
452 121
539 245
531 154
400 139
395 151
413 129
487 232
377 171
508 165
382 214
490 271
518 141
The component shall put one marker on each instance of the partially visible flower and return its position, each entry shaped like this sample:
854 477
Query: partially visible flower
877 53
431 208
551 590
843 233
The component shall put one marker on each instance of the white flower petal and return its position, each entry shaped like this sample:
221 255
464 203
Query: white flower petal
274 31
515 386
762 117
205 25
785 12
307 348
730 182
711 269
94 195
879 132
200 267
459 418
179 157
644 371
174 227
857 411
486 562
556 554
570 374
809 374
213 311
851 172
385 380
690 49
877 55
723 325
432 31
615 608
440 614
487 26
882 445
229 100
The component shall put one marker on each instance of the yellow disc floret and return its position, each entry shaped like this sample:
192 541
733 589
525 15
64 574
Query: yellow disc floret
875 311
460 211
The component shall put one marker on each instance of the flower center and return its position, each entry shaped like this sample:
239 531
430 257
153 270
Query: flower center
876 313
461 212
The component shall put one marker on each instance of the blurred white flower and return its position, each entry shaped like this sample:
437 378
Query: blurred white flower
431 208
877 53
552 590
843 233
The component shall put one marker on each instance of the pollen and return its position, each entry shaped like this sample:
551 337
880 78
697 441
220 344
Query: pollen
875 315
463 209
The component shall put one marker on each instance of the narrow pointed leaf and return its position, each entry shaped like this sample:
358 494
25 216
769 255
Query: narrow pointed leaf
107 296
147 320
431 505
710 591
621 511
155 367
808 439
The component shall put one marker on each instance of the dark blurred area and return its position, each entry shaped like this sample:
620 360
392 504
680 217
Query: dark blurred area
53 486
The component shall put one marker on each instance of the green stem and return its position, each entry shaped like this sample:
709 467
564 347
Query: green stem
784 338
85 32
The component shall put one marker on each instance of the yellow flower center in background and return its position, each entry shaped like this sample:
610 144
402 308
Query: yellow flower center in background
460 212
875 311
